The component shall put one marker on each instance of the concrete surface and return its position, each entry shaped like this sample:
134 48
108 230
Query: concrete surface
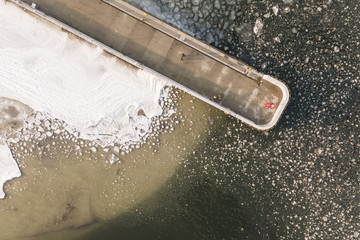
182 58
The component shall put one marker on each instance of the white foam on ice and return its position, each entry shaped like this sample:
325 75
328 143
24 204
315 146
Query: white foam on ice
54 72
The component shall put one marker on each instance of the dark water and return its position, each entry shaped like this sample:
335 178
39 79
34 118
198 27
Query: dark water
297 181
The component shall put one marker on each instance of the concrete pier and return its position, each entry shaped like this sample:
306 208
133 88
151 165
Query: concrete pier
192 65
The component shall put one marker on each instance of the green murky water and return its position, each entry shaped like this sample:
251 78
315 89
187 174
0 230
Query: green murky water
69 192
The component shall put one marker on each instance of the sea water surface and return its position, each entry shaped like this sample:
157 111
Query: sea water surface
298 181
301 179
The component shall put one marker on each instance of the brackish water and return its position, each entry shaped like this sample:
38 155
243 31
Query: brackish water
299 180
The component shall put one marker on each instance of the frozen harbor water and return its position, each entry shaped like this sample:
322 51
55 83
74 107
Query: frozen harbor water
302 178
298 181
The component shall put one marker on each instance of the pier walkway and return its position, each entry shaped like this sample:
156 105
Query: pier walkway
198 68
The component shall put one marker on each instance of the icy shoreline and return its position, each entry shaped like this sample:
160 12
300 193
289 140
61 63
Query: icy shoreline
8 167
52 72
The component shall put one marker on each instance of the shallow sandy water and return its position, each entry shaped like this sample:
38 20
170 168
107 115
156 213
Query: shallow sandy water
61 191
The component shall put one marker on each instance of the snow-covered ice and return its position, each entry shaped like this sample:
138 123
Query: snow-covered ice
54 72
8 167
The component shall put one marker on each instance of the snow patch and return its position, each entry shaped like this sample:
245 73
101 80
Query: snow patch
8 167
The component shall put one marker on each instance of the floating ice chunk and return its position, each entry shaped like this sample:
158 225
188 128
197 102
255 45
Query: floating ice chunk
171 112
47 124
195 2
320 151
11 140
232 15
113 158
288 1
275 9
117 149
217 4
177 17
258 26
244 32
8 167
209 38
49 134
